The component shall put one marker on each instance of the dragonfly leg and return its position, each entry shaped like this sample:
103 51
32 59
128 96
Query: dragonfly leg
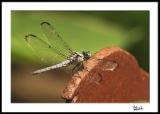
78 67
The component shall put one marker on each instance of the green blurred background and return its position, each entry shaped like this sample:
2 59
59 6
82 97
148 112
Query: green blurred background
82 30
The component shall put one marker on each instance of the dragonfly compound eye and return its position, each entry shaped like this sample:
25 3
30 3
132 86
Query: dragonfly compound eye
86 55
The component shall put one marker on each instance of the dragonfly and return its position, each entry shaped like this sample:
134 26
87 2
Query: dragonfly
57 45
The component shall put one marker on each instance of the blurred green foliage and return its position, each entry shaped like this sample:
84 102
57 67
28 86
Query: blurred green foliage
84 30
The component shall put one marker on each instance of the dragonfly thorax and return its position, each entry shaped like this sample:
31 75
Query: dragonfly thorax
80 57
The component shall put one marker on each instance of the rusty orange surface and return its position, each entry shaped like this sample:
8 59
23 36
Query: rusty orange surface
112 75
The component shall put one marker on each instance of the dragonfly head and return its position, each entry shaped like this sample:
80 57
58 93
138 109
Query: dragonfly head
86 54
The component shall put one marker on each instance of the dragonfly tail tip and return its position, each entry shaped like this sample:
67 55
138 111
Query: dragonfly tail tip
34 73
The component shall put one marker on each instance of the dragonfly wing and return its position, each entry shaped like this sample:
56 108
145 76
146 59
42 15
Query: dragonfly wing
55 39
44 50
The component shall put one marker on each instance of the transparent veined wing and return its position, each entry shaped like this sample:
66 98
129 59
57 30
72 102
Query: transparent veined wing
44 50
55 39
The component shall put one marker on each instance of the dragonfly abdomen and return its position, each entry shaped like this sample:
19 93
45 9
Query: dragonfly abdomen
62 64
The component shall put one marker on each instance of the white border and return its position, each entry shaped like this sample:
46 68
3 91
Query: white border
61 107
